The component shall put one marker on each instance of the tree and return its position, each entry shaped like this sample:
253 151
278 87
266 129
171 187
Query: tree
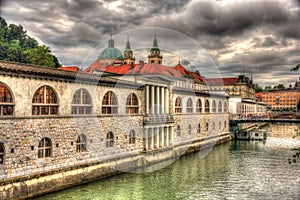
257 88
279 86
40 55
17 46
268 87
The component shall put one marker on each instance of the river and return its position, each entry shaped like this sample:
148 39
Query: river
235 170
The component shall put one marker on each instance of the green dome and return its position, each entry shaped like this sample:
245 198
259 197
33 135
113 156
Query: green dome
111 51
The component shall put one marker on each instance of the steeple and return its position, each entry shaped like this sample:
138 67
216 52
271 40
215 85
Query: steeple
111 42
155 56
155 46
128 54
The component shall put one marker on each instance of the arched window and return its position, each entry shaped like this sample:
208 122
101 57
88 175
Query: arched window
81 143
2 154
199 129
190 129
6 101
220 107
109 103
207 106
207 126
189 106
225 124
178 131
132 105
44 101
44 148
178 105
82 102
214 106
225 107
110 139
132 137
199 106
213 126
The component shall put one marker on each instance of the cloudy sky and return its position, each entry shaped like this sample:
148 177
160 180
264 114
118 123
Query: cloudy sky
258 37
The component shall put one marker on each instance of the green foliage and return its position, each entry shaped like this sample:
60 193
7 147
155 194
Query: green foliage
268 87
258 88
17 46
279 86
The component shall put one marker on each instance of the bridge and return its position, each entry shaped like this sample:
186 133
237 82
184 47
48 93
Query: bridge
272 120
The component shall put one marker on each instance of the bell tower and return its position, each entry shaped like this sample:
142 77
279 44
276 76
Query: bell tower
128 54
155 56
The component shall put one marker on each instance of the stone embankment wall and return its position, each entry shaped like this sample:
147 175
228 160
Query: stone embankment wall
36 184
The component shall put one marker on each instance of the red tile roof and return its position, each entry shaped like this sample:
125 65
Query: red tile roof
222 81
69 68
258 95
197 77
148 68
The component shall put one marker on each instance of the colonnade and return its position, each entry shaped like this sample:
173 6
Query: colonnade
157 100
158 137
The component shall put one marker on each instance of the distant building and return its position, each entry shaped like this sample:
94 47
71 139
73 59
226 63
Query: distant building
282 100
242 101
241 86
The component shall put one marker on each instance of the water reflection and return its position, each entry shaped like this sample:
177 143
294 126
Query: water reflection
235 170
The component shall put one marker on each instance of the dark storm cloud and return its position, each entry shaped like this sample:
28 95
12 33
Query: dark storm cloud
261 36
217 18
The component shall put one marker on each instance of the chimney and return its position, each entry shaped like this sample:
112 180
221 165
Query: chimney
141 62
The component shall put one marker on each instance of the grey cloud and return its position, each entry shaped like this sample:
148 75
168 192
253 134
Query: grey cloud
220 27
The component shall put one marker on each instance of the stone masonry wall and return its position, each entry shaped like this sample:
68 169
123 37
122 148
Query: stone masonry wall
21 138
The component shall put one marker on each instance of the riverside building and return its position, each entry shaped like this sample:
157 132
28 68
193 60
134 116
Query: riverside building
242 102
62 127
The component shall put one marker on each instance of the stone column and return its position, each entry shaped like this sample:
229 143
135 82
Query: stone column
150 138
166 136
146 139
162 100
155 139
157 101
161 136
147 100
167 100
170 135
152 99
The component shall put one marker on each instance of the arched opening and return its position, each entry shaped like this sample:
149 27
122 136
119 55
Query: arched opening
178 105
2 154
45 101
214 106
81 143
189 129
199 106
132 106
220 107
189 106
178 131
110 139
44 148
132 137
6 101
81 102
206 106
109 103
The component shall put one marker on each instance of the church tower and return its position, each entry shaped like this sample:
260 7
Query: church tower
128 55
155 56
